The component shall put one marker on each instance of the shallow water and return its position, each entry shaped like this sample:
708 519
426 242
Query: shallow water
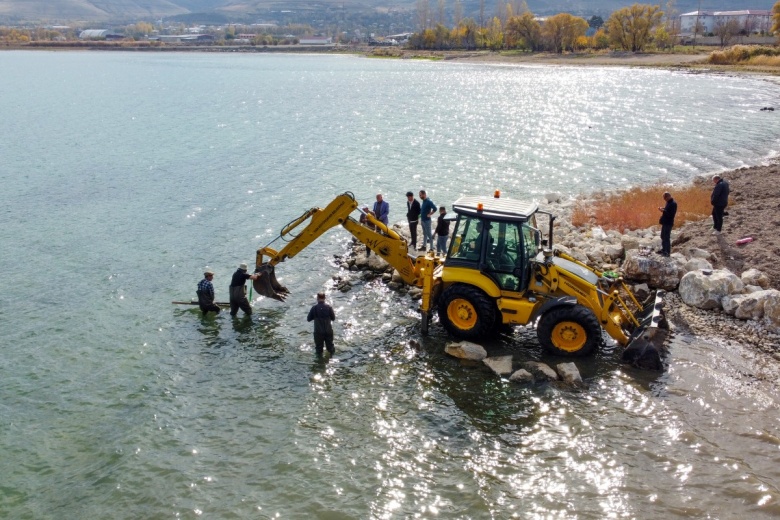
125 174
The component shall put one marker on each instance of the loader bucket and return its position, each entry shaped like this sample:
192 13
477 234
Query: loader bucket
646 345
267 285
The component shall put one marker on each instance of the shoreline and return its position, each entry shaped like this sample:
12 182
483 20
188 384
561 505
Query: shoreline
694 62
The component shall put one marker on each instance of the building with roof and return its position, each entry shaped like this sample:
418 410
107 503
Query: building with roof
99 34
750 21
315 40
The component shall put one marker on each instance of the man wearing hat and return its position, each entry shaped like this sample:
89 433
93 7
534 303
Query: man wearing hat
238 291
206 293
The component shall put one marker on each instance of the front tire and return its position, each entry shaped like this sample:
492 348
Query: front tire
467 312
569 331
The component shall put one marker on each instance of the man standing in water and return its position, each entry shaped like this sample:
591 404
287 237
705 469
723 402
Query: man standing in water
322 315
205 293
667 222
719 200
238 291
426 210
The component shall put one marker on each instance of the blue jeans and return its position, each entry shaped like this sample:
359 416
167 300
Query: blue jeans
441 244
427 235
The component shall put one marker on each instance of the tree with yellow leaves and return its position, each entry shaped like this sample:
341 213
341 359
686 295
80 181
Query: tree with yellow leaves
524 31
562 30
776 19
630 28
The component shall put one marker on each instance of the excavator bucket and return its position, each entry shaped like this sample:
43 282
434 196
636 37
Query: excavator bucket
267 285
646 345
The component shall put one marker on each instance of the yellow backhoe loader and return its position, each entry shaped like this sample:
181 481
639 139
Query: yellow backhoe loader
499 271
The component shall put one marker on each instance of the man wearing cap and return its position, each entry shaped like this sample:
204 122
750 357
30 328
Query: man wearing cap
322 315
205 293
412 216
238 291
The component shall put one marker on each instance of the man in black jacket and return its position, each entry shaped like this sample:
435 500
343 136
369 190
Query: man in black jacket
667 222
412 216
238 291
322 315
719 200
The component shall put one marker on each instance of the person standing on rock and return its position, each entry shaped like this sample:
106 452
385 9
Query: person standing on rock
719 200
668 213
442 231
322 315
427 209
238 291
412 216
205 293
381 209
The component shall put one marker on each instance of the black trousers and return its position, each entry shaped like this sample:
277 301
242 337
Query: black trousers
323 338
206 307
717 217
666 239
238 301
413 232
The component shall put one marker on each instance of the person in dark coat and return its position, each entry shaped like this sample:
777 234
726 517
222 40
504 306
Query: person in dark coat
205 293
719 200
668 213
238 291
442 231
322 315
412 216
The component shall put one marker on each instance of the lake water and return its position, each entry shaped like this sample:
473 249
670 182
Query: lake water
125 174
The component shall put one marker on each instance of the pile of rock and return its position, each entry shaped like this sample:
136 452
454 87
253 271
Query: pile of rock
528 373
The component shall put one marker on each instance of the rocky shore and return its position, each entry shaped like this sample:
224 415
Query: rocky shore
718 289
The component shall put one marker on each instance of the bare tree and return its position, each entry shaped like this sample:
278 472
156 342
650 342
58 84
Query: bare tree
441 12
726 30
423 15
458 14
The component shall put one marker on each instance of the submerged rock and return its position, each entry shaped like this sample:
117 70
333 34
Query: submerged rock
466 350
540 371
522 376
501 365
569 373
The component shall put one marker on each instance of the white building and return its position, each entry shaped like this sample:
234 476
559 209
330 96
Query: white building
750 21
315 40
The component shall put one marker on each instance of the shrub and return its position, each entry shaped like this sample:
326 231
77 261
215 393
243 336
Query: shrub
740 54
637 208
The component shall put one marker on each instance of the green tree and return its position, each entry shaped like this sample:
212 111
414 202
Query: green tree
524 31
596 22
562 30
630 28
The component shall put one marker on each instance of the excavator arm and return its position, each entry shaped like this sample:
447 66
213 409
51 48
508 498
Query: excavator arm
301 232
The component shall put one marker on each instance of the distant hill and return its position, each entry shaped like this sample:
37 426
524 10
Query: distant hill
15 11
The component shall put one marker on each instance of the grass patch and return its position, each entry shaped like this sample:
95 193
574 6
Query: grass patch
637 208
742 54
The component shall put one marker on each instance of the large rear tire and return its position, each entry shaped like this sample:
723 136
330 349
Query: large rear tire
571 330
467 312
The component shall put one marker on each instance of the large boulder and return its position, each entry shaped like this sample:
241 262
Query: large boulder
569 373
705 291
756 277
657 271
377 264
755 306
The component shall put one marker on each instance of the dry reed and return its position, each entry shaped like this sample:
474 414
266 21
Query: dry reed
637 208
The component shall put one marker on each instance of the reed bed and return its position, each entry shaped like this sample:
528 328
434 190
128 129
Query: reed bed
637 208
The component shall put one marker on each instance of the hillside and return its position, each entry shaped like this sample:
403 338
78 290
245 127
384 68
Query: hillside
49 11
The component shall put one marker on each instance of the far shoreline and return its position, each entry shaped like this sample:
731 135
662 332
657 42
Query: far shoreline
694 61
